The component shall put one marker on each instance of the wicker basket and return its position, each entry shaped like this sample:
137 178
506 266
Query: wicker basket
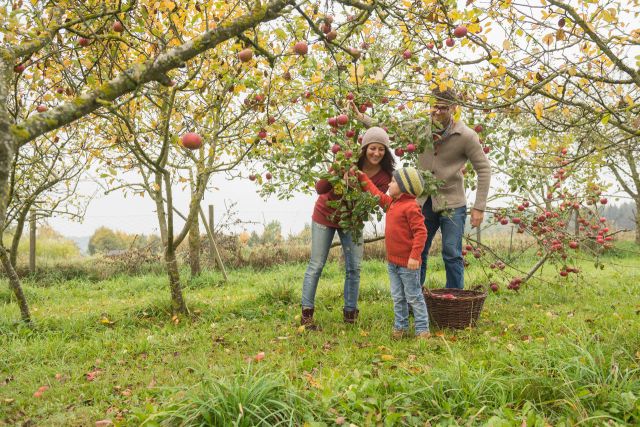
459 312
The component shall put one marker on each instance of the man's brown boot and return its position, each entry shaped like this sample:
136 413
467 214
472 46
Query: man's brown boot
307 319
350 316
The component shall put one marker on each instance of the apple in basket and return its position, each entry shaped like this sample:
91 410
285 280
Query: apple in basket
448 296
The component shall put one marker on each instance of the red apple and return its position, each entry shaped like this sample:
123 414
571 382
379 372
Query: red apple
252 177
245 55
118 27
271 120
411 148
494 287
268 175
326 28
430 46
603 201
384 100
301 48
350 96
561 22
335 149
406 54
342 119
564 151
399 152
259 99
448 296
258 357
60 90
19 68
460 31
516 220
41 108
332 121
362 108
486 149
83 41
350 133
191 140
573 245
348 154
262 134
478 128
564 273
332 35
450 42
355 52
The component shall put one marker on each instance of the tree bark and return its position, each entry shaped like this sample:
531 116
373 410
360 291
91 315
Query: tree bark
637 200
178 305
14 284
194 247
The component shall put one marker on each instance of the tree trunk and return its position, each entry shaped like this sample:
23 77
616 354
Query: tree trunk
14 284
637 221
178 305
194 247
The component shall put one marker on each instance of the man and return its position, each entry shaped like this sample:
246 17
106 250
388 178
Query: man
448 144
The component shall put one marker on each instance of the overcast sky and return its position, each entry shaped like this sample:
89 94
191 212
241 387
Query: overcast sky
135 214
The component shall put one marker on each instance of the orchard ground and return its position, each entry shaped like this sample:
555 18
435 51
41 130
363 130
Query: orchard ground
559 351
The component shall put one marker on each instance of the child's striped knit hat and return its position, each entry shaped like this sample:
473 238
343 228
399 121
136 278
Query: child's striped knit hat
409 180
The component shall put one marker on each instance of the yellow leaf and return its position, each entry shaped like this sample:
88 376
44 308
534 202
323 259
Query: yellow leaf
539 109
548 39
386 357
533 143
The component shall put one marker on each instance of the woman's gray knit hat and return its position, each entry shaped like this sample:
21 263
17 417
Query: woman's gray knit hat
375 135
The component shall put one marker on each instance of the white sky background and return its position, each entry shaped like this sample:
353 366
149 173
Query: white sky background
135 214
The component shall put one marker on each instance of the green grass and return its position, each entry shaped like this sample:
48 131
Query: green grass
558 352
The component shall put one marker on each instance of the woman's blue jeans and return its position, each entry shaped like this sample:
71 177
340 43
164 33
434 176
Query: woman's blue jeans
452 228
321 238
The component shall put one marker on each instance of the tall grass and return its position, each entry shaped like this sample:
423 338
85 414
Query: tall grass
252 398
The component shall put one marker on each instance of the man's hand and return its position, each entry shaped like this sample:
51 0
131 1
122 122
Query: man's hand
476 217
413 264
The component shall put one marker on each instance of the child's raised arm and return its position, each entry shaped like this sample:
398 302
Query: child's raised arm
385 200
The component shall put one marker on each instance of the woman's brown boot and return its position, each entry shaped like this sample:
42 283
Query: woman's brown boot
350 316
307 319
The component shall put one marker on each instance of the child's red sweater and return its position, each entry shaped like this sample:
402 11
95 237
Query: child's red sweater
405 232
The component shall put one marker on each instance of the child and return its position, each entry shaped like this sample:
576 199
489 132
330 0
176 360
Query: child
405 236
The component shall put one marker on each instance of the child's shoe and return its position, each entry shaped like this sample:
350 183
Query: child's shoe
424 335
398 334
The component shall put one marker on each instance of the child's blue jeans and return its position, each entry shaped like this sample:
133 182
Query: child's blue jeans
406 289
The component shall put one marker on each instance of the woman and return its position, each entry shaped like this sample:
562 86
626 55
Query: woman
377 163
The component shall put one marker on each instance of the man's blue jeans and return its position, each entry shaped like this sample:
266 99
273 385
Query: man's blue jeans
321 238
452 228
406 291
